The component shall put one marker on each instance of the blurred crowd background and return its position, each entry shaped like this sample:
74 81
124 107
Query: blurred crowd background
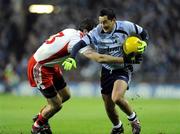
21 33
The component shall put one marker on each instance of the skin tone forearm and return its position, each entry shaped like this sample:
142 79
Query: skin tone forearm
102 58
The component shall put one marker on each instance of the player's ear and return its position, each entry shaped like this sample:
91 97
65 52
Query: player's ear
114 19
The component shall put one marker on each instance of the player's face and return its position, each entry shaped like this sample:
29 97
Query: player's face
107 25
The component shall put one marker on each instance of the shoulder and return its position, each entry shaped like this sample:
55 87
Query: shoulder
70 31
124 23
95 31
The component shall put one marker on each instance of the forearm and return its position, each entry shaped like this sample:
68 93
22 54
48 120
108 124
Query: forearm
109 59
103 58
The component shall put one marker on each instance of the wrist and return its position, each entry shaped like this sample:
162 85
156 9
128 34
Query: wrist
121 60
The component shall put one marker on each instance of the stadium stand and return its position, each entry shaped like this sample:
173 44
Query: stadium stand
21 33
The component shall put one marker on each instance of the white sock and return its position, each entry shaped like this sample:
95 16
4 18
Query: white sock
119 125
133 115
36 125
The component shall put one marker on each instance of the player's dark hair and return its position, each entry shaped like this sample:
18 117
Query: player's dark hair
87 24
108 12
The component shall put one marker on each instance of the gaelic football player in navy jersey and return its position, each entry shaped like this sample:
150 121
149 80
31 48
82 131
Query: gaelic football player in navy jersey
107 38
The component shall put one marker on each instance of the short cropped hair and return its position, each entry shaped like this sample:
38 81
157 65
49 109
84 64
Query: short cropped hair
87 24
108 12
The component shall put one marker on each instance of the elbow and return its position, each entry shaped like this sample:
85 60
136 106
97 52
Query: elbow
144 35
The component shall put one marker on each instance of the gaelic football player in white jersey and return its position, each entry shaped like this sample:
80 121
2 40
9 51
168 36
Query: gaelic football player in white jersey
45 74
108 38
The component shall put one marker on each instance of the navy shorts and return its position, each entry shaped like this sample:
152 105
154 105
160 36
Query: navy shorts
108 78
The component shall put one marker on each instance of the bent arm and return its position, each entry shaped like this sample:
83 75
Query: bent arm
102 58
144 35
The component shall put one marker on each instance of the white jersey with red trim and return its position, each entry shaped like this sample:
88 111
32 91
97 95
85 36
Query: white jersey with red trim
57 46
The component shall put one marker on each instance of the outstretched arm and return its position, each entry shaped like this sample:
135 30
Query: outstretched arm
102 58
76 48
70 62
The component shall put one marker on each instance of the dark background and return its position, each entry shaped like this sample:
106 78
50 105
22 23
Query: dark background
21 33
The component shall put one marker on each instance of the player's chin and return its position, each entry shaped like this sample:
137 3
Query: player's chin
106 30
